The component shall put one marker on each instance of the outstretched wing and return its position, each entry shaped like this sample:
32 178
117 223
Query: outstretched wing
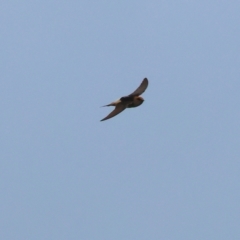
143 86
119 108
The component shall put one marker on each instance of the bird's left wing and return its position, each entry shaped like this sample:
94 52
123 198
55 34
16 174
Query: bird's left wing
143 86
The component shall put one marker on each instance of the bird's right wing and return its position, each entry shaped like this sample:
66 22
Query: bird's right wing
143 86
119 108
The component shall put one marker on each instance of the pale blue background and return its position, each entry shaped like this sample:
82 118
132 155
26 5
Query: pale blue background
166 170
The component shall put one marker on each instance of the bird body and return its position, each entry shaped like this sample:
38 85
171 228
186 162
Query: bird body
130 101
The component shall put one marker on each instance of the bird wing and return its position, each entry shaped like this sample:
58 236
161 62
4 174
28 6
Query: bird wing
119 108
143 86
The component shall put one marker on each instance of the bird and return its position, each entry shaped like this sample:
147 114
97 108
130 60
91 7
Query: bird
132 100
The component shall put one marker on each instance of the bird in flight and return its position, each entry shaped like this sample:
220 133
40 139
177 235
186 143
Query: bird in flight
132 100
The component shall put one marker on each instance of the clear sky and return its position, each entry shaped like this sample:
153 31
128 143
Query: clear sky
168 169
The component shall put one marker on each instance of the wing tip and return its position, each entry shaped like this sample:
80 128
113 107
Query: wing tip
145 79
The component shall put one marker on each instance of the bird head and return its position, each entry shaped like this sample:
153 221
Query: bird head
138 100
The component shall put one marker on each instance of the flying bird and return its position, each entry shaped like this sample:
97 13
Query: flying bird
130 101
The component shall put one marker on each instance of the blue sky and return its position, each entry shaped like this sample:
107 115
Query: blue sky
168 169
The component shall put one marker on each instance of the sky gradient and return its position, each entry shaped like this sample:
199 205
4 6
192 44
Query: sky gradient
168 169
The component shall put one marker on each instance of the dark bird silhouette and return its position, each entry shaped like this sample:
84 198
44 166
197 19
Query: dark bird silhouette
130 101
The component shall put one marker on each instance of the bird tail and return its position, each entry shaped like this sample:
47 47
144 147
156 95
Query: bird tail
107 105
113 103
